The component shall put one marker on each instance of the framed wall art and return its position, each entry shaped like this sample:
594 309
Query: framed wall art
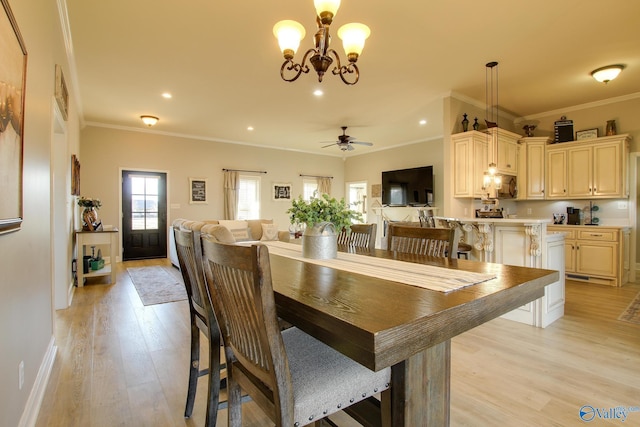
197 190
75 176
281 192
12 84
61 93
586 134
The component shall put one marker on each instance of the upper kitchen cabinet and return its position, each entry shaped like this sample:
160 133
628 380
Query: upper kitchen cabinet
531 168
471 159
472 153
594 169
504 147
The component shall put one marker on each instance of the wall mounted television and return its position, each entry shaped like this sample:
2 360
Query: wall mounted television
408 187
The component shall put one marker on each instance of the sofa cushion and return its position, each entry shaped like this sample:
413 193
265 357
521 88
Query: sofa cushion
219 233
238 228
269 232
255 225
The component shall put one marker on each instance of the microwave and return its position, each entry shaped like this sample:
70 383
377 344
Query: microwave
509 188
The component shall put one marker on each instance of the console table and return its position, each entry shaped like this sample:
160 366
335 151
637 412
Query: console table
96 238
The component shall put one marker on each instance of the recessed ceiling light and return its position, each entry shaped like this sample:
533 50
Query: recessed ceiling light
423 122
318 92
167 95
249 128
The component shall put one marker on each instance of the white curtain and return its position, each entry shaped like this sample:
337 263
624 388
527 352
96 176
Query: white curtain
231 188
324 185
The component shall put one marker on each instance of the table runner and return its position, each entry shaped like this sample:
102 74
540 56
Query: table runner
425 276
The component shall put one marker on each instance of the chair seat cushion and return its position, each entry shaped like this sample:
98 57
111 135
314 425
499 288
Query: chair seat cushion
324 380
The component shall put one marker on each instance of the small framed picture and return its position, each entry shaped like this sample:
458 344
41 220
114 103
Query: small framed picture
281 192
197 190
586 134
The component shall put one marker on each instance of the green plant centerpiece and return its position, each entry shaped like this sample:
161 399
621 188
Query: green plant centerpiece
323 217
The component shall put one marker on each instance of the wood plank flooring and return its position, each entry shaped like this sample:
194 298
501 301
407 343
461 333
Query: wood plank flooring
120 363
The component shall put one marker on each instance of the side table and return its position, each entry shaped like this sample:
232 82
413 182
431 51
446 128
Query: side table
95 238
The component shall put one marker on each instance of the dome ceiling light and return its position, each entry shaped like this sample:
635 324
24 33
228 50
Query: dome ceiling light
608 73
149 120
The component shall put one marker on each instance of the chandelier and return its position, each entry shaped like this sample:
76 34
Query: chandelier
492 181
290 33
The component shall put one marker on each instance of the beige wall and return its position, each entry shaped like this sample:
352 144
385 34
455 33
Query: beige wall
105 152
26 325
369 167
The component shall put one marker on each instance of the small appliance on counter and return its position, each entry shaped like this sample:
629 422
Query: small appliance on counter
489 209
573 216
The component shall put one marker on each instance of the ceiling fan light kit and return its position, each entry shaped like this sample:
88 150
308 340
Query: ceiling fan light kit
289 34
345 142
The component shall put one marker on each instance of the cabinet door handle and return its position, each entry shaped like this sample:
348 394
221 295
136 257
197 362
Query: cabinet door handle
508 165
595 235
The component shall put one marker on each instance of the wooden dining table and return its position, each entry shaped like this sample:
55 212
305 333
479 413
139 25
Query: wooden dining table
383 323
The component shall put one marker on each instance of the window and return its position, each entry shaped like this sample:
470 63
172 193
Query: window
309 188
144 203
249 197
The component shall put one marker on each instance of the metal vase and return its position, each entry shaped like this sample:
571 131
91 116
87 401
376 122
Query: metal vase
320 241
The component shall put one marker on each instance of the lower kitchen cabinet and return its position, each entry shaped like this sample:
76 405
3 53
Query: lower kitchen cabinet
596 254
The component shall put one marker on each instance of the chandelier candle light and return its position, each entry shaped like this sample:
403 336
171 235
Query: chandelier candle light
290 33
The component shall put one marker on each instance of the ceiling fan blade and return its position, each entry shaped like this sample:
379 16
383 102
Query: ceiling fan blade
332 144
362 143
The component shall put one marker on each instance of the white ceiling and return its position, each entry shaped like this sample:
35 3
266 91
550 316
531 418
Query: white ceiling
221 63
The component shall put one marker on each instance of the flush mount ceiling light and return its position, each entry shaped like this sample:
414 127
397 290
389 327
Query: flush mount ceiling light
289 33
608 73
149 120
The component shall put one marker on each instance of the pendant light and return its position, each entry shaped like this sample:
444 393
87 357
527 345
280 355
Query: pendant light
492 181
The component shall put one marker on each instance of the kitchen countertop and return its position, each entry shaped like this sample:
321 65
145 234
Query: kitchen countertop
523 220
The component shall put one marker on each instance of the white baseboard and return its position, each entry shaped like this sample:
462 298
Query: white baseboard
32 408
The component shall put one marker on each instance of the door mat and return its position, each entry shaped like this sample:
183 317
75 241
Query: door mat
632 313
155 285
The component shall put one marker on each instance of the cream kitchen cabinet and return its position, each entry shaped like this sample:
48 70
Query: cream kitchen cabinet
531 168
471 159
595 169
472 153
504 150
596 254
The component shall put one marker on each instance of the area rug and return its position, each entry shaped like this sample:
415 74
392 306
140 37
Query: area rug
156 285
632 313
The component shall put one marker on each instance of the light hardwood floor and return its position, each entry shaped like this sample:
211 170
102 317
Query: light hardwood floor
120 363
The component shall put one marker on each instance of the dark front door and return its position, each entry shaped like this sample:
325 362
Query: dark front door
144 215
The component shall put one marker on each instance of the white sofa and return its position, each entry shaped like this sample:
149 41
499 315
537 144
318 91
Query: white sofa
249 230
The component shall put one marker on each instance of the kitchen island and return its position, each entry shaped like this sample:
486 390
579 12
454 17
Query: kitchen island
522 242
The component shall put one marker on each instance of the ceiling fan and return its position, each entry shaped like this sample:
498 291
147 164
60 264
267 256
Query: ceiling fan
345 142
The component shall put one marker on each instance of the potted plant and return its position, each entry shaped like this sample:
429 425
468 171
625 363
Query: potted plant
323 217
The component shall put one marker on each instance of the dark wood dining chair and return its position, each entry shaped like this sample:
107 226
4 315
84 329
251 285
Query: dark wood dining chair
464 249
438 242
294 378
202 319
360 236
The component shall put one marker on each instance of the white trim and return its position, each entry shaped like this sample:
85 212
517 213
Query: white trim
634 158
32 408
63 14
564 111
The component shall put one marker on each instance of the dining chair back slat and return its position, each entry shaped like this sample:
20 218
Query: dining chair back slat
360 236
437 242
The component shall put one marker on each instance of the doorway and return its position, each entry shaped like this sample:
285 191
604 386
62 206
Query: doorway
357 198
144 215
